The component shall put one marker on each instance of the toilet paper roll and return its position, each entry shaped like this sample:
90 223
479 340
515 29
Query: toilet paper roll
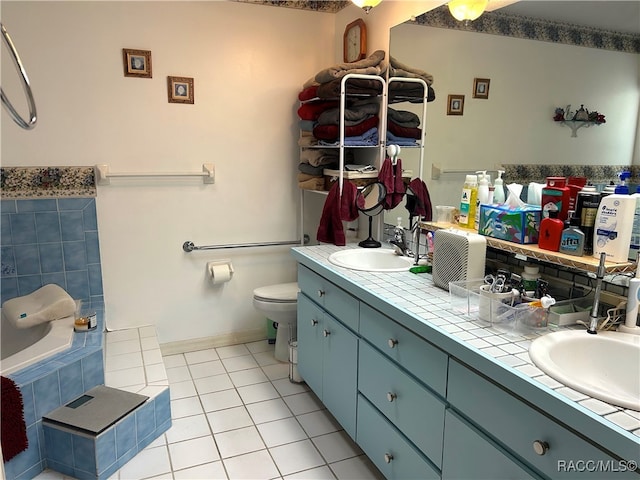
220 273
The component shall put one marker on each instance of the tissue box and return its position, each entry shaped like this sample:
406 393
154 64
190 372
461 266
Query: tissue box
514 224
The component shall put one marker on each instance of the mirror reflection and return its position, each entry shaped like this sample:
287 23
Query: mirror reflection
370 201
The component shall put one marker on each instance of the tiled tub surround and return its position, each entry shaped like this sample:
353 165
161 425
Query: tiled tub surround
414 302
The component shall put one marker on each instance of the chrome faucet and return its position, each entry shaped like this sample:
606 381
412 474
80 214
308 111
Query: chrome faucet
399 242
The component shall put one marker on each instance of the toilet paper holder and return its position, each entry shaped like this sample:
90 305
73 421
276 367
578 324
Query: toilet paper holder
217 263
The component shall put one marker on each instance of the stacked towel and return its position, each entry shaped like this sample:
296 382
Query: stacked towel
47 303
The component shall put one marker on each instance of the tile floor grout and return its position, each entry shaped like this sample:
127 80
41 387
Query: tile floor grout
245 417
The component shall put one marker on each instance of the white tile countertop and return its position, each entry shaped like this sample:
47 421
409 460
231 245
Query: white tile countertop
415 302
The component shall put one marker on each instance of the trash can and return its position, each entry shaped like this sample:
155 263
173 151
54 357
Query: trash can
294 376
271 331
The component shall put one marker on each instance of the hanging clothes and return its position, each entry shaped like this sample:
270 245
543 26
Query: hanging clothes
336 209
391 176
423 207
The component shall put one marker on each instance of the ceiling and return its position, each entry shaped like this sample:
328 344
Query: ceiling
617 16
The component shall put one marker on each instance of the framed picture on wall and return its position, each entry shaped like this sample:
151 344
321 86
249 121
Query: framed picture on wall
455 104
137 63
481 87
180 89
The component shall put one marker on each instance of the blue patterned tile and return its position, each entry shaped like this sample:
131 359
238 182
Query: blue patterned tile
62 468
80 474
51 257
71 224
95 279
75 255
8 261
78 284
89 217
59 445
84 453
93 247
46 392
125 434
122 460
8 206
37 205
8 288
28 284
48 227
106 449
26 459
93 370
145 419
23 228
71 382
58 278
5 230
74 203
32 472
28 404
163 407
27 259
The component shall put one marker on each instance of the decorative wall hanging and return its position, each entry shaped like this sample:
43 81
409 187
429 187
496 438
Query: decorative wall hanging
578 119
455 104
137 63
481 87
180 89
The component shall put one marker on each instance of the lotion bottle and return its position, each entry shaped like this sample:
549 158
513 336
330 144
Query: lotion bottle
483 195
613 227
498 194
468 201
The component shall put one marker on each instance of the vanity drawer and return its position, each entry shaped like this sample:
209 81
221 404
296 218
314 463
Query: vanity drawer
423 360
394 456
521 428
412 408
334 300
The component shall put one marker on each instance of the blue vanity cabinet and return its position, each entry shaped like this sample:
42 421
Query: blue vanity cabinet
327 348
529 435
469 454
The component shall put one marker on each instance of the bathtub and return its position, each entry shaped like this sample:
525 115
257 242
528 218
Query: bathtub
20 348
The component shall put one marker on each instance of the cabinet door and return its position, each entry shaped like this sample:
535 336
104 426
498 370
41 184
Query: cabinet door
468 454
310 343
339 385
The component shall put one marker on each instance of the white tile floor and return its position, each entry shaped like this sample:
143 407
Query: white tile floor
236 415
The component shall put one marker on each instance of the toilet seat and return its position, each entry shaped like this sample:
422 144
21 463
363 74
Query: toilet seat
280 293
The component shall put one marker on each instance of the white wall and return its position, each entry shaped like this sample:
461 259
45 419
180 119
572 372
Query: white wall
249 63
528 80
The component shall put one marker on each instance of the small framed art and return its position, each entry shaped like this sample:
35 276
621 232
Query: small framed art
180 89
455 104
137 63
481 87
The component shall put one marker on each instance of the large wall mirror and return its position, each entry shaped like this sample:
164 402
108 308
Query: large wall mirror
512 121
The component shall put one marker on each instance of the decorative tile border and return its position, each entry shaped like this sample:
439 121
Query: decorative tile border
46 182
318 6
595 173
497 23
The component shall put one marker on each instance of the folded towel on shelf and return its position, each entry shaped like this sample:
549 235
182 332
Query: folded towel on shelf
310 182
409 92
307 140
399 69
356 87
308 93
337 208
353 114
403 118
391 177
45 304
407 132
312 110
321 156
306 125
374 64
423 207
401 141
13 429
332 132
309 169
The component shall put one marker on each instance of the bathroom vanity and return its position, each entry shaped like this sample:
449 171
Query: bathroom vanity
429 394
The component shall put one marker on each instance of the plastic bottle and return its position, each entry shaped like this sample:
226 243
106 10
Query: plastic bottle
572 239
555 196
551 229
586 210
483 195
634 248
498 194
608 190
633 299
530 278
613 227
622 187
468 201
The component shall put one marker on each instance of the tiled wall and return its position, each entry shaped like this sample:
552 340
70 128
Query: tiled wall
51 241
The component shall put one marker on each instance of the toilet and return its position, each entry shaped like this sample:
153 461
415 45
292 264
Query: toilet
279 303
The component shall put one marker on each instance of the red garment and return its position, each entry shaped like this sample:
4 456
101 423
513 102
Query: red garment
391 177
423 207
312 110
332 132
336 209
308 93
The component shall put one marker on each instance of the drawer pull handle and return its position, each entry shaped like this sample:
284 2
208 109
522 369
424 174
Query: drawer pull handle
391 396
392 342
540 447
314 322
326 332
388 457
321 293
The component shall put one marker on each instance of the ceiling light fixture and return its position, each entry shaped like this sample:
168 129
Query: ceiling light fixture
366 5
467 10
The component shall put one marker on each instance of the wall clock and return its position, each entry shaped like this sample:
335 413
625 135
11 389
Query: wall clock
355 41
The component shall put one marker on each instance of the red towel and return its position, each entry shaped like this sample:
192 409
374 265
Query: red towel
423 206
13 431
391 177
336 209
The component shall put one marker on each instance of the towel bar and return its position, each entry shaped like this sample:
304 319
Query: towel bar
103 174
188 246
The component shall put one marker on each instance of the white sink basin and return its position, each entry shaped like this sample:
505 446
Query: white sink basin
371 260
605 366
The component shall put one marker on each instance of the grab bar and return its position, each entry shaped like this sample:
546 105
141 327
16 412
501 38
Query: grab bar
190 247
103 174
27 125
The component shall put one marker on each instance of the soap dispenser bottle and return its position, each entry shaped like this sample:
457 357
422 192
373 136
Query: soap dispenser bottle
468 201
483 195
498 194
622 187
